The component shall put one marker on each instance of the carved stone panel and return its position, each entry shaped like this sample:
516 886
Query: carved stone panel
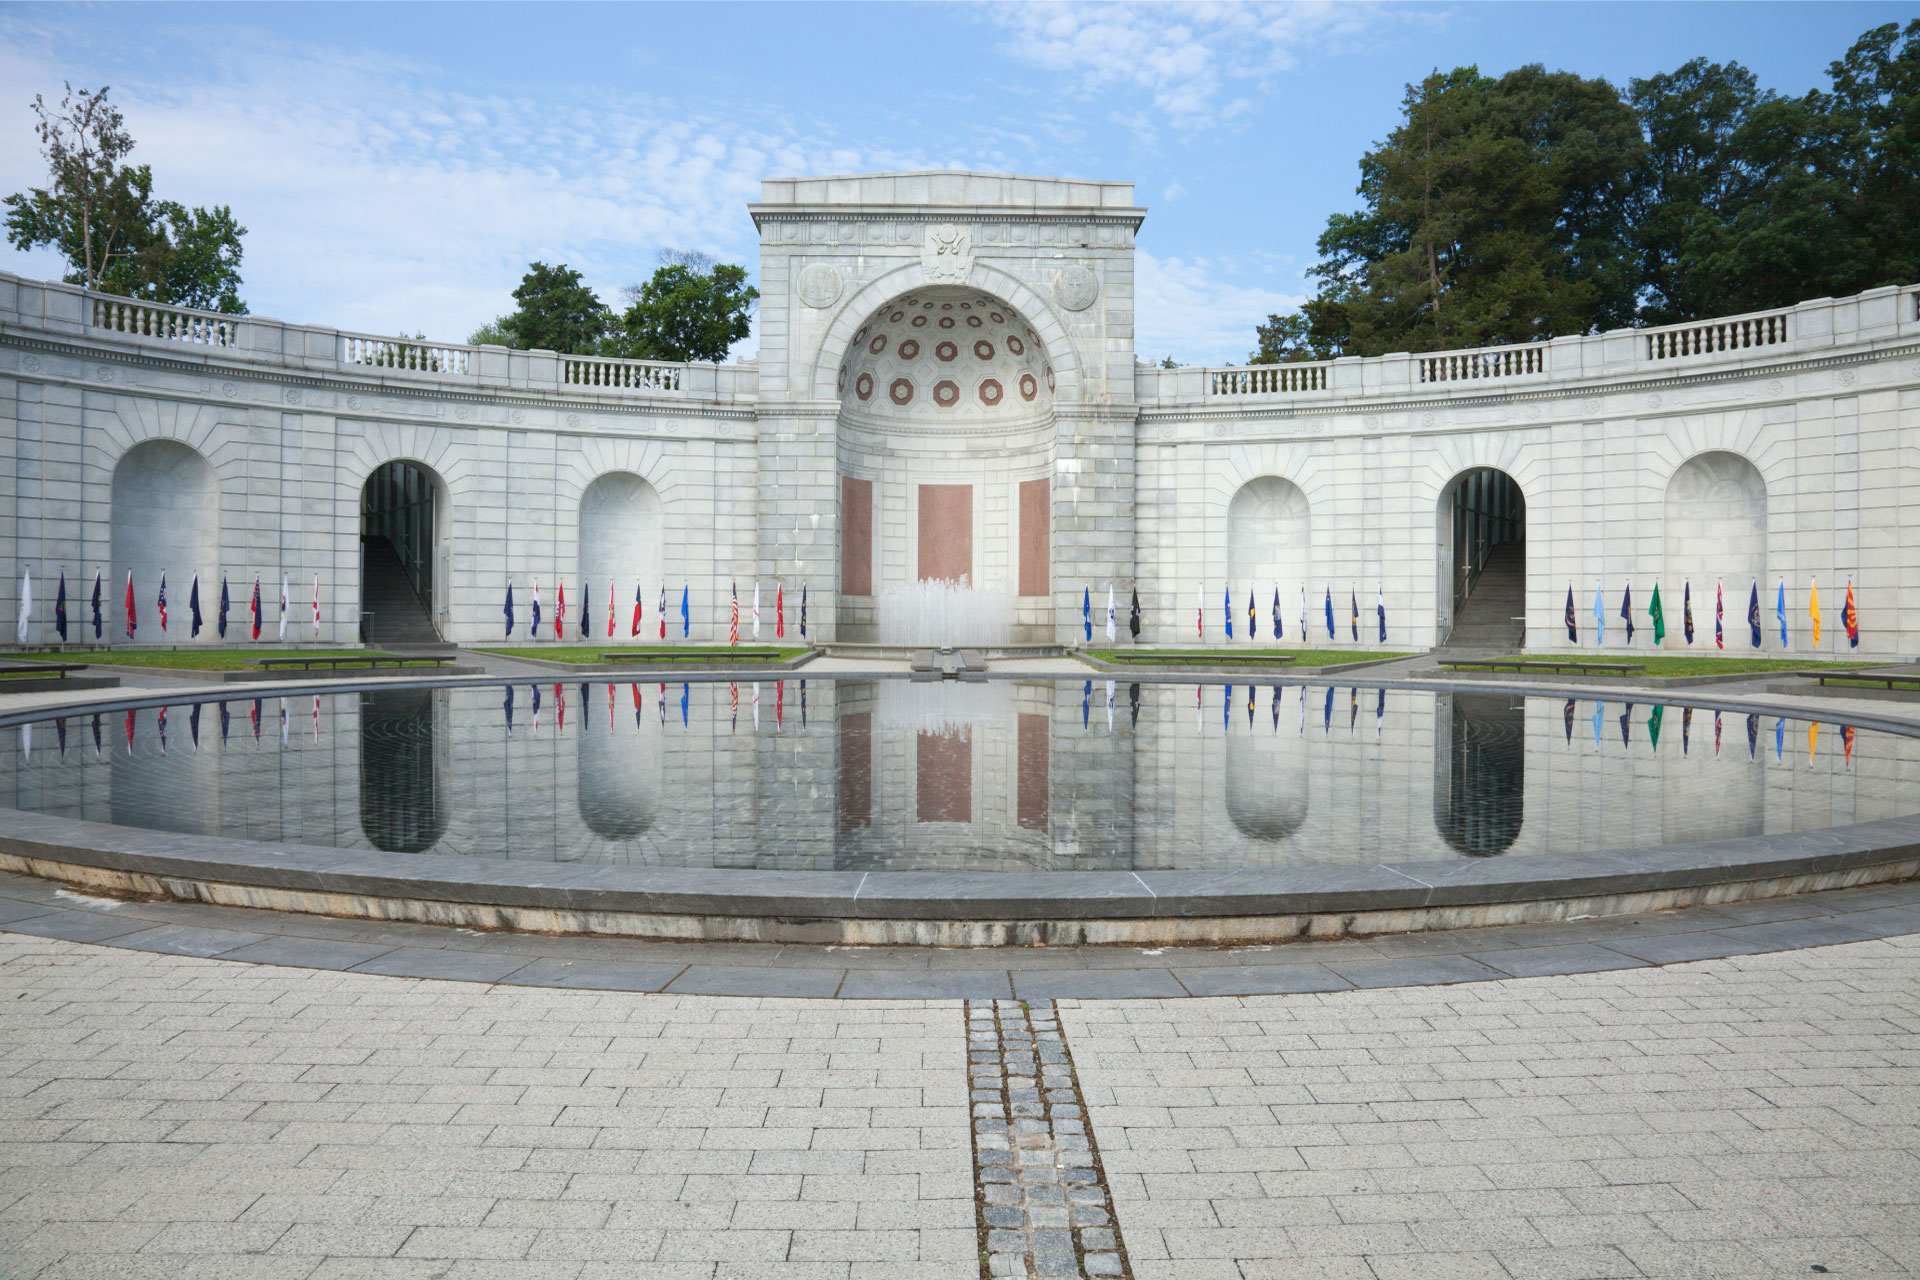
947 254
819 285
1076 287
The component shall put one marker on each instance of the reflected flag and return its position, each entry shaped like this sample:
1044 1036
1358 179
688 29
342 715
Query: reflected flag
1599 710
1380 711
1686 609
636 696
733 707
26 744
1276 706
226 723
60 730
1252 695
283 727
1653 727
1846 740
193 608
193 721
1779 738
1353 706
161 725
1780 612
1326 713
756 695
803 704
1719 616
96 604
131 715
1753 734
316 717
533 628
1133 614
1086 706
1716 735
1813 608
683 705
254 606
559 707
1626 726
1573 627
1133 702
536 706
1849 618
1199 725
96 736
253 718
60 608
1813 740
132 622
1566 715
1626 610
508 608
1658 615
161 603
779 704
1686 729
1329 608
1753 612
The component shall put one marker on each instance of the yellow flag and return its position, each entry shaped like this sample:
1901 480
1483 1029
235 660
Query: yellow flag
1813 610
1813 740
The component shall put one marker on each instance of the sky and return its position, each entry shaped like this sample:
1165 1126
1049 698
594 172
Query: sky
398 166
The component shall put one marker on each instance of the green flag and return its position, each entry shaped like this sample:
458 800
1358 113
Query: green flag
1653 726
1659 618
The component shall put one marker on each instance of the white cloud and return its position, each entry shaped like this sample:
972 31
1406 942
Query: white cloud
1185 56
1197 311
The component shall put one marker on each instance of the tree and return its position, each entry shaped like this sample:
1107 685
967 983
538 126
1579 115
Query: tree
692 309
99 212
557 312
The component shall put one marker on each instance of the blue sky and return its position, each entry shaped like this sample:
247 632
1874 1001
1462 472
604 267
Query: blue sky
399 165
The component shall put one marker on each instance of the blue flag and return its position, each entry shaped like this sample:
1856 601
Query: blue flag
1626 610
1780 611
1277 629
1753 612
193 607
1228 606
803 611
60 619
506 706
534 629
1326 713
96 604
1686 619
1573 627
686 619
1599 710
1329 625
1779 737
1353 602
585 596
1086 612
684 688
509 609
226 605
1599 615
1380 607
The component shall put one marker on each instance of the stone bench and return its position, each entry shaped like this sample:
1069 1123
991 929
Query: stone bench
1545 665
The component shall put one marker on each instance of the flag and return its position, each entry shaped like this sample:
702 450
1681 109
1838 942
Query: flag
1599 616
663 605
132 621
1353 601
161 604
1277 628
193 720
1599 710
638 611
316 606
1566 712
254 605
506 707
1653 726
733 624
1719 615
1850 619
1253 617
1779 738
779 610
1200 612
1846 739
1686 729
1626 726
1112 635
1329 619
1753 612
509 608
586 608
96 604
803 611
560 619
1086 611
1813 609
1303 624
60 609
1780 612
226 607
756 610
1380 607
686 622
1228 606
1686 609
1626 610
1658 615
533 628
1753 735
613 607
1133 615
1573 627
1813 740
26 606
284 585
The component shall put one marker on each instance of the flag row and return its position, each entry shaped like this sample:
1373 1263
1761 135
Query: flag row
1656 615
130 614
638 624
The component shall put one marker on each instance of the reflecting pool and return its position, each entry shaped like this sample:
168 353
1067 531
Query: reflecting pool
1005 775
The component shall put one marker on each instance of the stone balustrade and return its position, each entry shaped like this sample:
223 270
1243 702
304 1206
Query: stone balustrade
175 324
601 374
411 356
1267 379
1488 362
1738 334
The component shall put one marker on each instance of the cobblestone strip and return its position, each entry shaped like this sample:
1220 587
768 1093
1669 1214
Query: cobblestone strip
1042 1197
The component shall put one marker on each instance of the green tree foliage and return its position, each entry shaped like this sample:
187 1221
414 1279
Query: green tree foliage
1541 203
99 212
692 309
557 312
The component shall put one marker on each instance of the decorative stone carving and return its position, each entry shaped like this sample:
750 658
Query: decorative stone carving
1775 387
291 395
819 285
104 373
519 416
1076 287
30 364
573 419
947 255
1848 377
229 389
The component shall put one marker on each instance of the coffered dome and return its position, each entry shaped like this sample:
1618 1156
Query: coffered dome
946 353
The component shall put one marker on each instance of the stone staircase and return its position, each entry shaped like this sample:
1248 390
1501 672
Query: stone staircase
1485 620
399 618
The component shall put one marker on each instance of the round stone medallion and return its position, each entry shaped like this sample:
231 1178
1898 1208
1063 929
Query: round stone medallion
819 285
1076 287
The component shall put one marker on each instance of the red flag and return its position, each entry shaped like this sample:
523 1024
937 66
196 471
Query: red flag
560 690
779 703
609 706
130 716
733 629
560 631
256 609
1848 615
610 613
131 624
163 599
636 609
779 610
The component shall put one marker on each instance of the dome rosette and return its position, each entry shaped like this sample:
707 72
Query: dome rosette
946 354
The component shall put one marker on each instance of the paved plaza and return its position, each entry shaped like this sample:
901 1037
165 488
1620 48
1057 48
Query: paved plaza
1755 1114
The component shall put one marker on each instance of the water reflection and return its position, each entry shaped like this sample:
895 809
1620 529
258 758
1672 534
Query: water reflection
403 768
1480 771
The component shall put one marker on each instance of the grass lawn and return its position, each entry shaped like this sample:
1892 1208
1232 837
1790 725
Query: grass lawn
1690 665
590 653
195 659
1301 657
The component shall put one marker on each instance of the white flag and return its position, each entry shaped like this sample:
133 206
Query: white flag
283 606
756 612
26 605
316 606
1110 632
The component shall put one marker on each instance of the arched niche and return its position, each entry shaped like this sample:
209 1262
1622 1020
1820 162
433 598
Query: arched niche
619 784
1479 761
621 543
404 768
1269 537
1716 523
166 518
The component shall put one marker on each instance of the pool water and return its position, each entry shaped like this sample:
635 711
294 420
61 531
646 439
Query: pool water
828 774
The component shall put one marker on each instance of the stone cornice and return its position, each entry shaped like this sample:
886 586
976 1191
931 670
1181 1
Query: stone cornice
767 215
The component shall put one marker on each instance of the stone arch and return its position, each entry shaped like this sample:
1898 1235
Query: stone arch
165 517
404 504
619 782
854 310
621 535
1480 527
1269 537
1716 521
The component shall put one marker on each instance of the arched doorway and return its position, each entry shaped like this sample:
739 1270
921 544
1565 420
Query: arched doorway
401 582
166 519
1482 593
946 441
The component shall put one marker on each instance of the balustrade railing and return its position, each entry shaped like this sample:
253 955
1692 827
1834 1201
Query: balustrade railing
621 375
412 355
1266 379
145 320
1717 335
1490 362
